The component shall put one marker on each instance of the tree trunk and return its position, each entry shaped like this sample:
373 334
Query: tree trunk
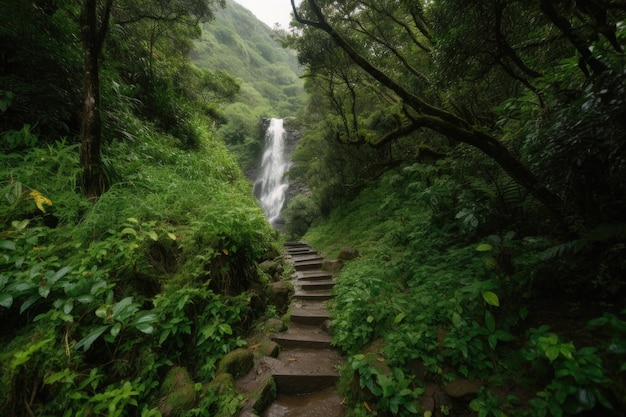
93 33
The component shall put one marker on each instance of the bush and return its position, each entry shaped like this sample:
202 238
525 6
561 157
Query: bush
301 213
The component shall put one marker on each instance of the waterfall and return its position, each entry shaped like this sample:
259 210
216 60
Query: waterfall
270 186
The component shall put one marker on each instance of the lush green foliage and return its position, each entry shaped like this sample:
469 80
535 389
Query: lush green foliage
98 299
247 49
427 293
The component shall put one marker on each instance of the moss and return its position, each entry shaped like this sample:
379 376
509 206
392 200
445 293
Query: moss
178 392
237 363
265 395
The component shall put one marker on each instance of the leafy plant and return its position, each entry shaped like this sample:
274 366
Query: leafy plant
392 390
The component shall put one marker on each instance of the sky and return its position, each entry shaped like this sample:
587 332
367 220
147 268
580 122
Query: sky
270 11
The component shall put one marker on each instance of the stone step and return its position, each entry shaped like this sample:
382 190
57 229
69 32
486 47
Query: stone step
306 337
321 295
300 250
306 257
309 316
316 285
313 275
296 244
307 265
306 370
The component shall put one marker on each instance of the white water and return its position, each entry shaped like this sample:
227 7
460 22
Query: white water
271 184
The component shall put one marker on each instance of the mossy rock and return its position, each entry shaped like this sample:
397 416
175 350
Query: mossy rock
237 363
221 384
178 393
265 395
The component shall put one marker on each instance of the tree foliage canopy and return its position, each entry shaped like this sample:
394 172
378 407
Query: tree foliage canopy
388 70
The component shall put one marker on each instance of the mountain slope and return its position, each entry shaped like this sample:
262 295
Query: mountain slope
238 43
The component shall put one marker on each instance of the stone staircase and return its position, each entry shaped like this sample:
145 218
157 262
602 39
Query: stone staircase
299 376
308 367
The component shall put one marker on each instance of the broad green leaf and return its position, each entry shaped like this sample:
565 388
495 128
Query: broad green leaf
490 322
552 353
115 330
146 318
145 328
23 356
101 311
129 231
491 298
504 336
171 236
60 274
65 375
493 341
44 291
122 305
29 302
399 318
153 235
225 328
20 225
84 299
484 247
6 300
68 307
87 341
7 244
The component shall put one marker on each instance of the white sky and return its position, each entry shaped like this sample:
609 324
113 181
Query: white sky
270 11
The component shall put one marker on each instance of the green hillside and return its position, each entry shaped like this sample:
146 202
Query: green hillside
109 292
237 42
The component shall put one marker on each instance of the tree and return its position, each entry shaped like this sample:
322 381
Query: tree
391 41
94 24
95 17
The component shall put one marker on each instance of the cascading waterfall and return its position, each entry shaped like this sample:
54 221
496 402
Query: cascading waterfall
271 185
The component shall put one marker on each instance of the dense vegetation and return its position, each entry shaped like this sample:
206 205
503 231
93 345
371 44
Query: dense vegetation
103 293
474 154
245 48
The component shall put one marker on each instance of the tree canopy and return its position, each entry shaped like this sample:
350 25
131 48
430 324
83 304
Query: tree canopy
387 70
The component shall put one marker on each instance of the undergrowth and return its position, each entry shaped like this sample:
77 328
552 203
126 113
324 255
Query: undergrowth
98 300
436 296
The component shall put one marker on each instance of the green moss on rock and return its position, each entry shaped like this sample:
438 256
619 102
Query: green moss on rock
237 363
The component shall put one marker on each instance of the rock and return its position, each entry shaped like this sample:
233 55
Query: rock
347 253
462 387
278 294
271 267
265 395
327 327
271 254
331 265
258 298
237 363
178 393
269 348
275 325
221 384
